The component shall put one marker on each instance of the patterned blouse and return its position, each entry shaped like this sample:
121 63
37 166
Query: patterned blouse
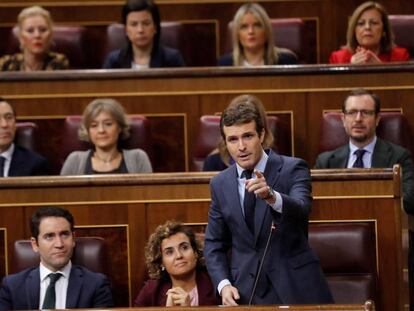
15 62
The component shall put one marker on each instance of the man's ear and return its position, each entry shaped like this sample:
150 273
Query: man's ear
35 247
262 136
343 118
73 235
378 117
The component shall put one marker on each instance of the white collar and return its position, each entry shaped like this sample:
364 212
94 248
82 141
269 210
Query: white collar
369 148
260 166
8 153
65 271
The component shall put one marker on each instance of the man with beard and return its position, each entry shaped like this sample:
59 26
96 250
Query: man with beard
360 117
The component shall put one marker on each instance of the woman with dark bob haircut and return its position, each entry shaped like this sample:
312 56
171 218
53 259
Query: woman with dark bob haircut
369 38
143 49
176 269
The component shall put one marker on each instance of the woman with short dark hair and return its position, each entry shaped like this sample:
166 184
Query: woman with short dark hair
143 49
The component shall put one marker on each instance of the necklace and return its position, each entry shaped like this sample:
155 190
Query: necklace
106 161
27 67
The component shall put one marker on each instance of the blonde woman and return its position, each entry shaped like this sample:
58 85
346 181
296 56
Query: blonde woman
253 40
35 29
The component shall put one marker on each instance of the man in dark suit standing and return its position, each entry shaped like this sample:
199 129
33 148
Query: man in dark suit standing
16 160
264 198
55 283
360 117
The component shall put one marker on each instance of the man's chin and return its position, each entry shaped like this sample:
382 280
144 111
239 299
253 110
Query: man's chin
360 138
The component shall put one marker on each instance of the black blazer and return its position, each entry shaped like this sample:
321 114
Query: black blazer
27 163
385 154
161 57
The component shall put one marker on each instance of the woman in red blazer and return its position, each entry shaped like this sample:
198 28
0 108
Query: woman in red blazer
175 264
369 38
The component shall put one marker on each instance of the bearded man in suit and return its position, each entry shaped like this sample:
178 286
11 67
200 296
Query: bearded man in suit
360 117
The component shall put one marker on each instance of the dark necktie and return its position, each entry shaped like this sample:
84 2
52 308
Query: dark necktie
358 162
50 297
249 203
2 160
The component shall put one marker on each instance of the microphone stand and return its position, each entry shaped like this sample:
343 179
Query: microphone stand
256 280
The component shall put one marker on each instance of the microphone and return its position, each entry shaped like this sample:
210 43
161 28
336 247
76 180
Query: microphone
259 270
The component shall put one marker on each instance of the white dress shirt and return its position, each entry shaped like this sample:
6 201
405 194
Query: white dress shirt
8 156
366 158
61 286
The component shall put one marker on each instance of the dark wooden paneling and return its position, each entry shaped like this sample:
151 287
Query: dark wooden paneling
116 238
143 201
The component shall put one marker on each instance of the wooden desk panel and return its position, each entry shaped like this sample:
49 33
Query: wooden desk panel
303 91
141 202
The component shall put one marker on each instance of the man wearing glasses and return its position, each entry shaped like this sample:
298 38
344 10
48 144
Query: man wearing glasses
360 117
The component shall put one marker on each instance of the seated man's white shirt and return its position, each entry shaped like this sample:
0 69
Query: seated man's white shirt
61 285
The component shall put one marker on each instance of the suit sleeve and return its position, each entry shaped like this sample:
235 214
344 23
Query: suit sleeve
297 202
5 296
103 294
217 241
408 182
142 300
71 165
41 167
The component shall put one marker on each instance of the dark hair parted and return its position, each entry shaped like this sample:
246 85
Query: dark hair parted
49 211
387 40
361 92
153 254
136 6
242 110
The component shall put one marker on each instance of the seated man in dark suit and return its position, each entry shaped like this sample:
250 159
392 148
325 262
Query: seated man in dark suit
16 160
360 118
55 283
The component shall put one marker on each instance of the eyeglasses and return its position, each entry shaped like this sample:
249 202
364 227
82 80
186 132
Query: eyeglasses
364 113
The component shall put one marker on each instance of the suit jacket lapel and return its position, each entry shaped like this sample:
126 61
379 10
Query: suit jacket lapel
271 173
33 289
380 155
15 163
74 288
340 158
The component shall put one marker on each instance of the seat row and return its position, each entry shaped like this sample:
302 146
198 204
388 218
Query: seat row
347 252
87 47
393 127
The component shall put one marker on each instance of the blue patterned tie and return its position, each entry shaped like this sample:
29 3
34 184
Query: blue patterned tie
358 162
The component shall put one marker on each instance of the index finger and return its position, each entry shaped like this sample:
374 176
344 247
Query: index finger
258 173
